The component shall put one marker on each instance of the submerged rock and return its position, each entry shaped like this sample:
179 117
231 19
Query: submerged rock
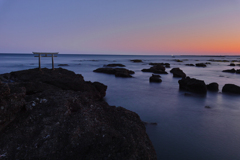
177 72
63 65
189 64
136 60
212 86
232 64
115 65
118 72
193 85
231 88
70 123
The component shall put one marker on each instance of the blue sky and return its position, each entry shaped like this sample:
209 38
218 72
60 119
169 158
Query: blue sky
120 27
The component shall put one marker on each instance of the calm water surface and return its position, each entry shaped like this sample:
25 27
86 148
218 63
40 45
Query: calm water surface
186 130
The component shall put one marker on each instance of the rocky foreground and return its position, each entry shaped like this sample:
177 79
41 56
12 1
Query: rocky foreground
57 115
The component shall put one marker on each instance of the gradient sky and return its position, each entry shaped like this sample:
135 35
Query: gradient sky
120 27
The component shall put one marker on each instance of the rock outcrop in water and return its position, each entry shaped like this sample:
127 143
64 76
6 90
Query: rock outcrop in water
230 70
118 72
231 88
136 60
167 65
155 78
177 72
58 115
213 86
156 69
201 65
193 85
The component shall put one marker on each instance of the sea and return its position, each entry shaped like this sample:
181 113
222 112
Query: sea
186 129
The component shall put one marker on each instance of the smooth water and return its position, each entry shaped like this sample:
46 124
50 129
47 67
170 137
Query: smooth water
185 129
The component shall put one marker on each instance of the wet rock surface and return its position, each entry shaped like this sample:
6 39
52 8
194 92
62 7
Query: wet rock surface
118 72
58 115
160 69
231 88
177 72
193 85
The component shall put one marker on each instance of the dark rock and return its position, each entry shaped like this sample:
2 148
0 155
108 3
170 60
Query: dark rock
178 60
155 78
66 123
156 69
136 60
167 65
115 65
189 64
11 102
232 64
212 86
200 65
208 107
63 65
238 71
231 88
177 72
230 70
193 85
119 72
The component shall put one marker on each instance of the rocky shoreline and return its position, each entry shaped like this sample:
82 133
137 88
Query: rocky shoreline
55 114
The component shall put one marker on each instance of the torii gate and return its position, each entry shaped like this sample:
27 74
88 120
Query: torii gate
45 54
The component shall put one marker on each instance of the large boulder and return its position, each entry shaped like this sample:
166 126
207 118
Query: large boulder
156 69
212 86
231 88
177 72
193 85
118 72
62 123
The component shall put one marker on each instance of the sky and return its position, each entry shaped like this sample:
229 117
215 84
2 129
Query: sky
205 27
